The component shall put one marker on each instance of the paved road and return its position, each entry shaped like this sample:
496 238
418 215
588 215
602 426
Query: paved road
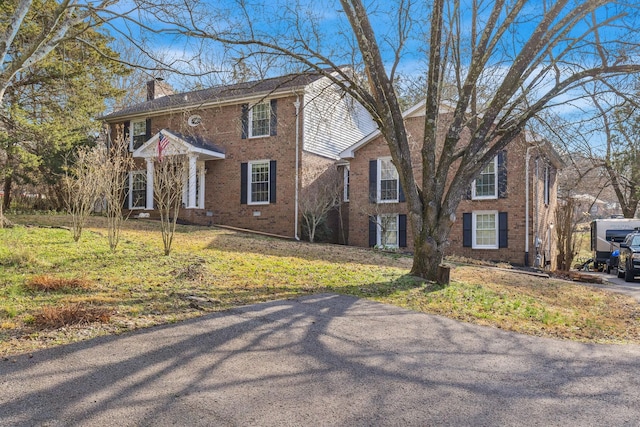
615 284
323 360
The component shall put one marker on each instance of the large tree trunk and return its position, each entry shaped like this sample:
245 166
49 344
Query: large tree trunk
427 257
6 200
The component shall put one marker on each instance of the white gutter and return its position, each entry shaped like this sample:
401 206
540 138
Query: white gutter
295 220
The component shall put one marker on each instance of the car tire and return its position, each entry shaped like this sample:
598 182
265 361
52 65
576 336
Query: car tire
628 276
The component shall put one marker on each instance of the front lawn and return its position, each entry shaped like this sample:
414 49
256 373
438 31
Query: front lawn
54 291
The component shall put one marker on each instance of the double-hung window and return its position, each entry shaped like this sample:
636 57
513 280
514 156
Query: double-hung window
260 120
138 134
485 230
547 183
388 230
346 184
486 185
138 190
388 183
258 182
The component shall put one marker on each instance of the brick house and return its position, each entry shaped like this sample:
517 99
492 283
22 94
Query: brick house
253 148
508 214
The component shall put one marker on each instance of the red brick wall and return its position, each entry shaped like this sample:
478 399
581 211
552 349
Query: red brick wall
540 215
222 126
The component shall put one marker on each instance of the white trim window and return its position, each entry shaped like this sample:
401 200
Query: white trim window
345 193
388 182
138 134
388 230
485 230
547 183
486 185
260 120
258 182
138 190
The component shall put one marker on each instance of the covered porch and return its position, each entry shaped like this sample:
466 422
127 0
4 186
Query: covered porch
168 143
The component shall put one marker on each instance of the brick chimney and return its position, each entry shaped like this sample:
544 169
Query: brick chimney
157 88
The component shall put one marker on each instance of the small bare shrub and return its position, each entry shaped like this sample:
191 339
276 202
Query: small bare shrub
53 317
50 284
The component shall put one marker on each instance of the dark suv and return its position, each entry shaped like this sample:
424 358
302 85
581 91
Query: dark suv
629 264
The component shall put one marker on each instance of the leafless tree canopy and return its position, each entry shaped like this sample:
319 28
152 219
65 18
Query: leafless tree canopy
496 63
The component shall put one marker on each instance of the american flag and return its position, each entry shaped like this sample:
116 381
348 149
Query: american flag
163 142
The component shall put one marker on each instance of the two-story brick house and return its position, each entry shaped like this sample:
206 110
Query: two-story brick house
252 148
508 214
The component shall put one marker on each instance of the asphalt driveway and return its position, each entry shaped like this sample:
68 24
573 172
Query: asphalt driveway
322 360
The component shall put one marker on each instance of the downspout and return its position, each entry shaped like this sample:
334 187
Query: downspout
526 207
295 221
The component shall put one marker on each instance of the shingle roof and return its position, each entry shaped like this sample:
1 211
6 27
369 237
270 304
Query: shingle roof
217 94
197 141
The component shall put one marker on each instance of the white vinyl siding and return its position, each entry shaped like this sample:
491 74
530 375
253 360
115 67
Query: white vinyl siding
332 120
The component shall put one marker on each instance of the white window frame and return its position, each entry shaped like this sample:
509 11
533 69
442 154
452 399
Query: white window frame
250 165
200 182
267 105
379 219
379 181
132 177
474 230
132 128
346 174
495 183
547 190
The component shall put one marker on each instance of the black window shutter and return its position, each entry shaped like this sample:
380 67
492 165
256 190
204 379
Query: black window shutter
245 121
400 192
126 130
147 133
503 227
466 230
502 174
373 231
244 175
272 181
373 178
273 125
402 231
467 195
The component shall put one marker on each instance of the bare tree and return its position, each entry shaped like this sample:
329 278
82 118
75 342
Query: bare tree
319 198
113 186
621 160
82 182
506 61
168 179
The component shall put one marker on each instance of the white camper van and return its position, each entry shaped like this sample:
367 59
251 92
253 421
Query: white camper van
606 235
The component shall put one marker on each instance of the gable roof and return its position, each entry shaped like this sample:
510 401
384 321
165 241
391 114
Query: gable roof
417 110
218 94
180 144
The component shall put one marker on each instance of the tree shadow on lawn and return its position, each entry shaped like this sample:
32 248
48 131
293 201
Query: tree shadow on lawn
263 245
328 359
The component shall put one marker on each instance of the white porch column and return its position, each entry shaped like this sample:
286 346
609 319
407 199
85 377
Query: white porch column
149 183
202 173
193 158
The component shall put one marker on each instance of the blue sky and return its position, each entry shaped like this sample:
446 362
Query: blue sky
329 20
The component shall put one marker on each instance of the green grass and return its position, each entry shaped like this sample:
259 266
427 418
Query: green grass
141 287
